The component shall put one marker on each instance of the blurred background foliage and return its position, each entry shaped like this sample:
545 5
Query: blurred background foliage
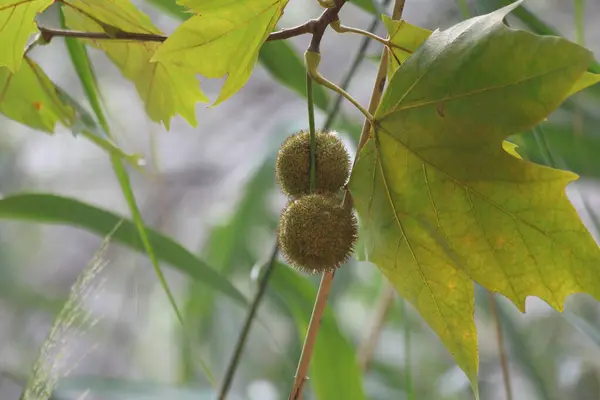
212 189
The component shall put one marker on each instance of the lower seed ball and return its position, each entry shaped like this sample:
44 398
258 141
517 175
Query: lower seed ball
293 164
316 234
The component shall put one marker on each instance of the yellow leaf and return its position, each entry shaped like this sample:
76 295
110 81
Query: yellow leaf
222 39
16 26
166 90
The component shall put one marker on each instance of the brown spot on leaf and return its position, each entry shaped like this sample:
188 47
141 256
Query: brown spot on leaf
37 105
440 110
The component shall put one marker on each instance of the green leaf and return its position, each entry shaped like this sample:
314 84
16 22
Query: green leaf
29 97
86 126
442 204
166 90
576 152
334 372
405 38
278 57
16 26
535 24
586 80
51 209
222 39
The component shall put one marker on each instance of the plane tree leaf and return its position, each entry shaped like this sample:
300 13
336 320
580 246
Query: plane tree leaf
16 26
28 96
223 38
166 90
586 80
405 39
442 204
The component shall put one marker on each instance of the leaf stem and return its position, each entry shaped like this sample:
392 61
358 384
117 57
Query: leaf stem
320 79
312 132
339 28
360 54
380 80
501 350
241 342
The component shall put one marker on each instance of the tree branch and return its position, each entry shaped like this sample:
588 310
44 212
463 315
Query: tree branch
316 27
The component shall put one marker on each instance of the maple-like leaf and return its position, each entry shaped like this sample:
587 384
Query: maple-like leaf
166 90
224 38
586 80
442 204
29 97
16 26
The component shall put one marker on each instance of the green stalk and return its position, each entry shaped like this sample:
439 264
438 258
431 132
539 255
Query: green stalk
312 131
84 70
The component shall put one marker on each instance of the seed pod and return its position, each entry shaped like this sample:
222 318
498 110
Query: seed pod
293 164
316 234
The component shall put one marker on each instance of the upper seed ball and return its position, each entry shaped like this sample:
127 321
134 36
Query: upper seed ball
293 164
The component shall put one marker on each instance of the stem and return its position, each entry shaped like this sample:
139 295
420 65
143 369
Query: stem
311 336
367 347
312 132
327 279
339 28
316 27
241 342
320 79
360 54
501 350
379 83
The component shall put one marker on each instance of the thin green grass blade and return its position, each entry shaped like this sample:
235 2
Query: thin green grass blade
123 179
83 67
52 209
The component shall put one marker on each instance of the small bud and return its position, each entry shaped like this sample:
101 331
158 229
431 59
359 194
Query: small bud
327 3
312 61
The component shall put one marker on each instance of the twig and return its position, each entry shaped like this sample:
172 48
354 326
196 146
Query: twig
360 54
501 350
339 28
379 82
316 27
311 336
367 347
241 342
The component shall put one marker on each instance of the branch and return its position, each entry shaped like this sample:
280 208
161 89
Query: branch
316 27
311 336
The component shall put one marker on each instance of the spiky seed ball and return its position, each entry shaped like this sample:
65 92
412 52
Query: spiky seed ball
293 164
316 234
